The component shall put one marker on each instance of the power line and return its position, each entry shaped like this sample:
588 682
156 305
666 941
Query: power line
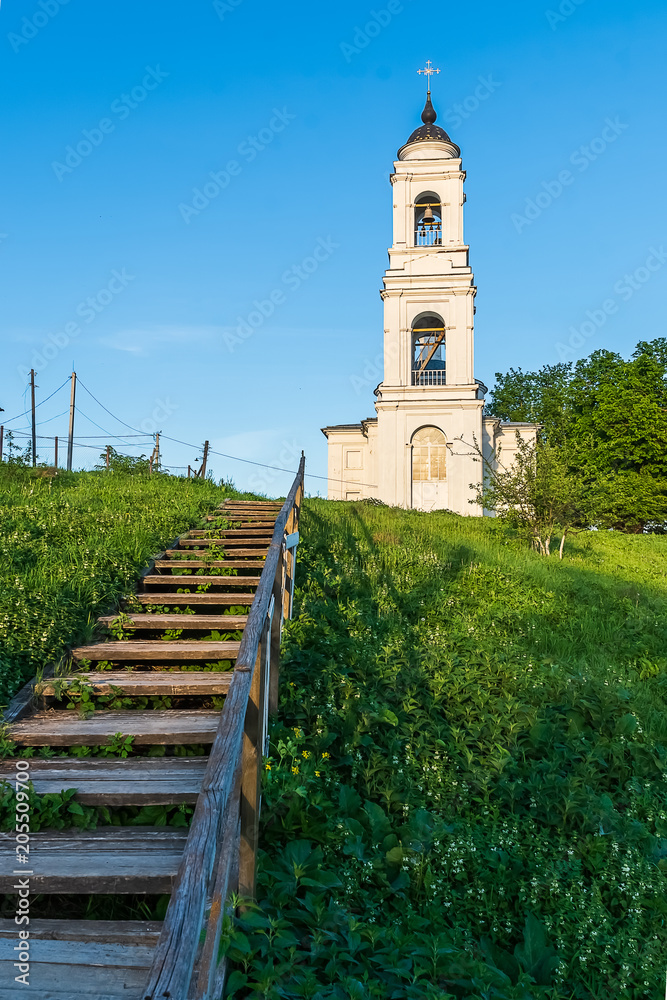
186 444
39 404
49 419
265 465
105 409
107 433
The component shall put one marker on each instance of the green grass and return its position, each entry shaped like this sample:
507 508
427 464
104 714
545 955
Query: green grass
466 793
69 550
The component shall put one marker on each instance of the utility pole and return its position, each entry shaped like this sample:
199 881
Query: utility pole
202 471
55 461
34 426
70 442
107 458
157 452
2 439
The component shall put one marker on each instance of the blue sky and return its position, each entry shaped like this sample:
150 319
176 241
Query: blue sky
110 260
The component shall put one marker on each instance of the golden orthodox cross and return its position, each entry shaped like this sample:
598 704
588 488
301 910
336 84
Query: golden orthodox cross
428 73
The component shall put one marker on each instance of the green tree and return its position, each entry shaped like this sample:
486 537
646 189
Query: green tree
610 416
538 493
124 463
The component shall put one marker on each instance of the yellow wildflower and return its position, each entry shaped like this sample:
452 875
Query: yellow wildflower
325 755
305 753
317 774
295 770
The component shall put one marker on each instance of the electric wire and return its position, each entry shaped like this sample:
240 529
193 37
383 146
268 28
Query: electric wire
68 379
105 409
186 444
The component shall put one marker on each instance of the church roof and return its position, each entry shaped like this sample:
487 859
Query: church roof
429 130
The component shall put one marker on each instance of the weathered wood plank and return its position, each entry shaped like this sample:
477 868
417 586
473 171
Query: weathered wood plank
260 505
139 932
186 622
164 580
258 553
92 989
183 683
158 599
181 564
251 532
253 527
135 781
156 727
228 543
157 650
106 860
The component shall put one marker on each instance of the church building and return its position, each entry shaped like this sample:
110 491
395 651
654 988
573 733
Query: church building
419 451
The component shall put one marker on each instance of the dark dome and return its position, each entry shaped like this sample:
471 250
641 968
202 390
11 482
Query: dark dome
429 130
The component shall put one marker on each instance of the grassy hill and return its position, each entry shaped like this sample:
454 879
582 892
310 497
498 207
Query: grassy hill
466 795
466 791
69 548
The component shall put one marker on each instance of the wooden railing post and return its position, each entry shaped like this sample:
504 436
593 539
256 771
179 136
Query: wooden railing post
276 633
251 773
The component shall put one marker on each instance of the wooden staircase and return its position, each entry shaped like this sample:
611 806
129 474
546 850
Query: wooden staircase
251 565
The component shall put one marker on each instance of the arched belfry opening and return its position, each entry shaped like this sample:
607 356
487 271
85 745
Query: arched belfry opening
429 469
428 350
428 221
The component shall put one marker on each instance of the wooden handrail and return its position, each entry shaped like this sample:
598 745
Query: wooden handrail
214 834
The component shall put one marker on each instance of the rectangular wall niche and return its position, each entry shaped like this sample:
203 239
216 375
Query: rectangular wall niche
353 460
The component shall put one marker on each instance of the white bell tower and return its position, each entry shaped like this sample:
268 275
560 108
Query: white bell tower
418 449
429 397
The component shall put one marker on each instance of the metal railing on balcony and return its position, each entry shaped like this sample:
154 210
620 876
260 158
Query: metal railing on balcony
428 236
429 376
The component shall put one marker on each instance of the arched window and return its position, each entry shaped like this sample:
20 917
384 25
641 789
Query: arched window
429 456
428 221
428 350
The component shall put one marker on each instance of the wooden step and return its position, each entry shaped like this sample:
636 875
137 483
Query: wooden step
163 727
275 506
242 519
160 599
199 581
259 533
261 544
182 683
158 651
222 623
258 554
252 524
181 564
77 959
111 859
137 781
